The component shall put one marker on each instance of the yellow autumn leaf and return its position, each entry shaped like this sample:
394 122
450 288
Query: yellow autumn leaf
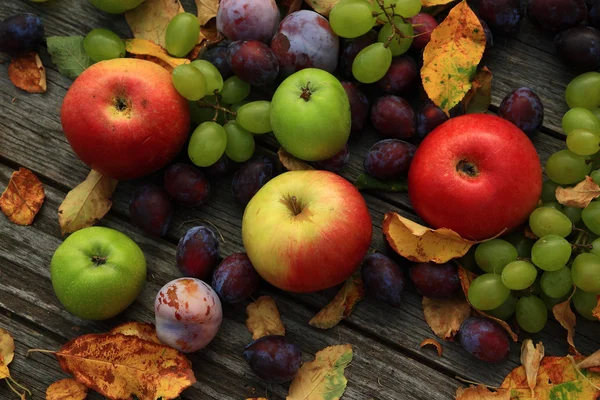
342 304
323 7
66 389
566 317
263 318
292 163
7 346
451 57
147 50
445 316
421 244
479 97
150 19
531 357
142 330
431 3
207 9
579 196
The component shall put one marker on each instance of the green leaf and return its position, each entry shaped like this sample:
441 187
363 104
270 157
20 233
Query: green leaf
367 182
68 54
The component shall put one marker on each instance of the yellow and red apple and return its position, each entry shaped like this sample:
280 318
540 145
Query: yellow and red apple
306 231
124 118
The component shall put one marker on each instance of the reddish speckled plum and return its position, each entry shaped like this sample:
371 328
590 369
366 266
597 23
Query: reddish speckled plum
253 62
305 39
248 19
484 339
198 252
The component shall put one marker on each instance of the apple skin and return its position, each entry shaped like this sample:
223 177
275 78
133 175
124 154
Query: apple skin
97 290
505 190
124 118
313 129
316 249
116 6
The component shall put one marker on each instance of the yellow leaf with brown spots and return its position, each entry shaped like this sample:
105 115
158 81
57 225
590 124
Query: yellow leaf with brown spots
147 50
445 316
140 329
66 389
434 343
28 73
263 318
150 19
579 196
23 197
566 317
207 9
342 304
292 163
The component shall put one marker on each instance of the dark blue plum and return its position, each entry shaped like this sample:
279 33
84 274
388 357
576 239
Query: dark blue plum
402 76
489 37
556 15
594 14
217 56
484 339
394 117
579 48
222 167
151 210
430 117
198 253
20 34
253 61
235 279
502 15
389 159
435 280
187 185
359 106
273 358
251 176
524 108
383 279
335 163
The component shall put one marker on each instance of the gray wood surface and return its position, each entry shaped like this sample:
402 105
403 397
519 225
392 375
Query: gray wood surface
388 363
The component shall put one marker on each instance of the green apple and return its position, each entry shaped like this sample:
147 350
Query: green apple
97 272
116 6
310 114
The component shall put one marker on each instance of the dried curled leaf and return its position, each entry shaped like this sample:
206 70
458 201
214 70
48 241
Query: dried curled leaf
142 330
23 197
432 342
147 50
87 203
421 244
451 57
479 97
292 163
263 318
579 196
323 7
28 73
592 361
342 304
207 9
323 378
66 389
566 317
431 3
445 316
150 19
531 357
481 392
596 311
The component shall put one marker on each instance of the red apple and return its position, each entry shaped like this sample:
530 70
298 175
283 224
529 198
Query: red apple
306 230
124 118
476 174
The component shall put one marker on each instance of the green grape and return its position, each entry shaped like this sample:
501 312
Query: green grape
552 204
207 144
214 80
522 243
565 167
519 275
488 292
595 175
551 252
549 221
101 44
240 142
182 34
585 303
583 142
583 91
556 284
234 90
580 118
351 18
550 302
549 190
468 260
200 114
595 247
596 112
372 63
492 256
585 272
407 8
591 217
255 116
573 213
506 309
189 82
400 43
531 314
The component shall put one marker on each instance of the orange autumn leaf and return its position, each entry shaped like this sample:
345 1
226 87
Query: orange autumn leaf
481 392
579 196
431 3
451 57
66 389
342 304
566 317
596 311
421 244
150 19
142 330
147 50
479 97
292 163
7 352
432 342
263 318
23 197
445 316
28 73
531 357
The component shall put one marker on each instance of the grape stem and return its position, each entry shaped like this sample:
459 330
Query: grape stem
389 17
216 107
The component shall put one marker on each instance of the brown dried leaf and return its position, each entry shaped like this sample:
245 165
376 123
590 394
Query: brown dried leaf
596 311
431 3
579 196
531 357
592 361
421 244
480 392
342 304
150 19
322 6
445 316
479 97
432 342
263 318
292 163
28 73
23 197
118 366
87 203
140 329
66 389
207 9
566 317
147 50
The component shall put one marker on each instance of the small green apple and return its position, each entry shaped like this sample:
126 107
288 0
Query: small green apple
116 6
310 114
97 272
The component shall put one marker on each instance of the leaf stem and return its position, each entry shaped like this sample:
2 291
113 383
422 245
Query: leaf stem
11 379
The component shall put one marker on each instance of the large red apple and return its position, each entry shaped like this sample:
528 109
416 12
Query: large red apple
477 174
306 230
124 118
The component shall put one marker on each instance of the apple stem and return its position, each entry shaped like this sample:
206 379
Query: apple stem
98 260
295 205
306 92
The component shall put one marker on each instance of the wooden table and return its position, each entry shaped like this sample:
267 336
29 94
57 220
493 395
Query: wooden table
388 363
